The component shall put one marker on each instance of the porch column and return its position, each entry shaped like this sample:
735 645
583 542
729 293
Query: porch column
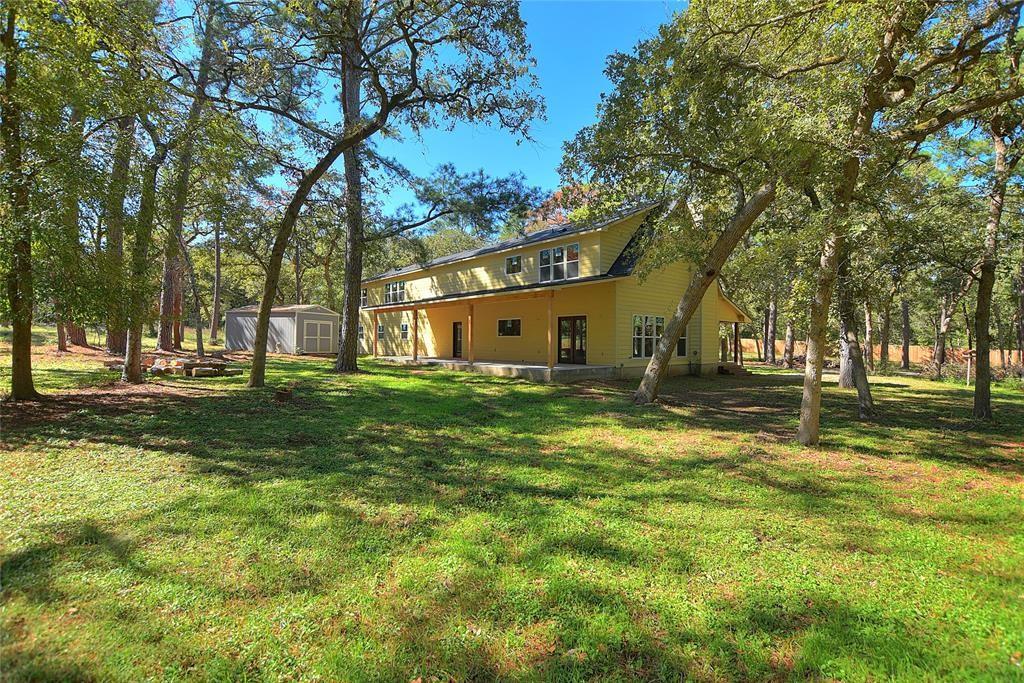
551 330
375 324
415 334
469 334
737 352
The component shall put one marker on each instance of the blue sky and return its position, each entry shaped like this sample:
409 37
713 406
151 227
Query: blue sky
570 40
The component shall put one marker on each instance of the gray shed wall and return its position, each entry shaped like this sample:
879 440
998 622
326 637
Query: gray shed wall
240 332
308 345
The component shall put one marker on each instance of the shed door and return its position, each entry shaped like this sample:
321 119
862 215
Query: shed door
325 337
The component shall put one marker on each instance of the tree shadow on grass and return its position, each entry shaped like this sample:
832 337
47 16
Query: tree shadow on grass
458 495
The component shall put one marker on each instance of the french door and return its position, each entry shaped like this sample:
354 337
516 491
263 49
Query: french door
572 340
457 339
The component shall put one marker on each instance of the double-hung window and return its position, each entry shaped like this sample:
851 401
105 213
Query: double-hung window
513 265
359 332
363 298
647 329
394 292
380 331
560 263
405 331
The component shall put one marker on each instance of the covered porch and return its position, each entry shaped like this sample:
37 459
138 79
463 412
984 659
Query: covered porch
547 335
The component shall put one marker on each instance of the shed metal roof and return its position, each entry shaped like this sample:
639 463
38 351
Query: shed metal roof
294 308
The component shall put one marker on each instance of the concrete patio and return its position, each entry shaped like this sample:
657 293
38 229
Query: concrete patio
530 371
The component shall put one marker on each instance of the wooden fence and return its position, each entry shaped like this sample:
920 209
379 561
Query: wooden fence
918 354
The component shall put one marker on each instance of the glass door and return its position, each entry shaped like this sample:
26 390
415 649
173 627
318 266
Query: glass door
572 340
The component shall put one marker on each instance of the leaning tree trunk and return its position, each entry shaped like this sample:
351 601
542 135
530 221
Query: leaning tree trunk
348 348
137 283
701 279
117 335
20 295
771 332
986 283
787 353
906 331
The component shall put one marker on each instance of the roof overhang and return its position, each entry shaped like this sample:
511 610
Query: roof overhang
531 291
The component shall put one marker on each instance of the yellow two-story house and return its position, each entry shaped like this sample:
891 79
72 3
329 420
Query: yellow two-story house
544 306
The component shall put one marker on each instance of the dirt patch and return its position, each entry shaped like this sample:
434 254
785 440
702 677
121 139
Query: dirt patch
112 397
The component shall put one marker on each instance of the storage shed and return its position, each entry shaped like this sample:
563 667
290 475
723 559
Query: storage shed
293 329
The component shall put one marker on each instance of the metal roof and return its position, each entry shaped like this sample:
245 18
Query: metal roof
293 308
555 232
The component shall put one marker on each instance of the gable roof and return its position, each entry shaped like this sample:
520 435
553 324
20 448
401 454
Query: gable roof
554 232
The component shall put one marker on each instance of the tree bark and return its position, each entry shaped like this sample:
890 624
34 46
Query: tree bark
883 341
701 279
298 273
62 337
852 370
170 299
165 335
215 317
117 335
20 295
348 348
906 331
869 331
137 283
772 329
197 302
351 137
178 317
986 283
787 354
872 100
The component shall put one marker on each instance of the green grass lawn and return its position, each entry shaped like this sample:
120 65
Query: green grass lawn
421 523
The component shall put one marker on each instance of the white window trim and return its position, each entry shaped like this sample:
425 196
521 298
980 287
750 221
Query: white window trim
404 328
364 297
514 336
380 331
643 335
564 263
394 292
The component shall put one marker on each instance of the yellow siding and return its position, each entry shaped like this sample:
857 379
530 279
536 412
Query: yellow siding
595 301
614 239
487 271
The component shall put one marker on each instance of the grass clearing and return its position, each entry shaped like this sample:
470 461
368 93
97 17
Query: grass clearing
399 524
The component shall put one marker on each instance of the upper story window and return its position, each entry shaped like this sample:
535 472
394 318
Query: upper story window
513 265
560 263
363 297
394 292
